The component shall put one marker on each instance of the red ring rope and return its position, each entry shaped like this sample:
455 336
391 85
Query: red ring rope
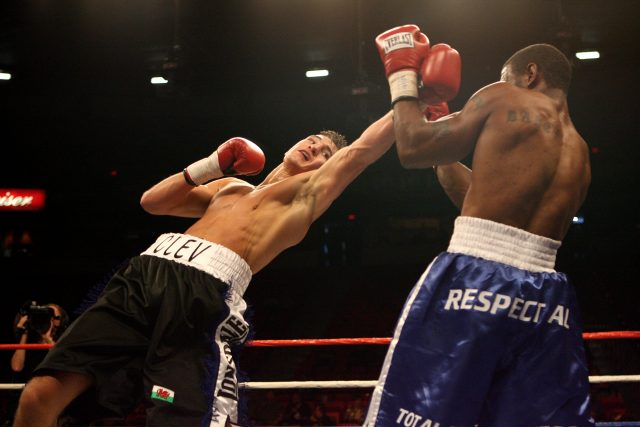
611 335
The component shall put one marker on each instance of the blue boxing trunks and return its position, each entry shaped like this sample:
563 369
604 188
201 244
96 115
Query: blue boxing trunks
489 336
162 330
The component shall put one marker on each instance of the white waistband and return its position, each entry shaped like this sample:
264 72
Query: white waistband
503 243
212 258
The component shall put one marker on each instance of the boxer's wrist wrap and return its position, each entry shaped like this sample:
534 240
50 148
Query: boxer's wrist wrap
203 170
403 98
187 177
403 85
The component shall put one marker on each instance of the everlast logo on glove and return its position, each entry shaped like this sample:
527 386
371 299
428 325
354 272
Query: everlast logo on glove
398 41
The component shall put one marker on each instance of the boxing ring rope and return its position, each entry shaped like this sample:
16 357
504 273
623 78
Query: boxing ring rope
355 384
281 385
262 385
609 335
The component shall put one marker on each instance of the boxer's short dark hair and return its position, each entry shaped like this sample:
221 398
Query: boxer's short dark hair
337 138
555 66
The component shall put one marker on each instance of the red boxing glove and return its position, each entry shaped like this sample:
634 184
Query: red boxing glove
440 73
239 156
434 112
236 156
402 50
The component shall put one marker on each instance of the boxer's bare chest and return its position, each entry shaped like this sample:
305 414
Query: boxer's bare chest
255 222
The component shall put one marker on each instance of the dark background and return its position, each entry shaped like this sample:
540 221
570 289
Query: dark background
81 120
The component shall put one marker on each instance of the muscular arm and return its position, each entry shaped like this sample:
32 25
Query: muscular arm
328 182
455 179
173 196
422 144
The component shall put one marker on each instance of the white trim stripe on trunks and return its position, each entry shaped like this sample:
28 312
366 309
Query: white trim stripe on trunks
212 258
502 243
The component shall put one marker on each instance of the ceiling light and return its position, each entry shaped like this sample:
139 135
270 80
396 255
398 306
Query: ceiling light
5 76
159 81
592 54
317 73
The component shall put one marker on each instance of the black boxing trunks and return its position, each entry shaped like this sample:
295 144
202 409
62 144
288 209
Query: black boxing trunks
163 329
490 336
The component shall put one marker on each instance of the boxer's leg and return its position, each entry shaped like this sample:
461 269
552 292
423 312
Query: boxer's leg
45 397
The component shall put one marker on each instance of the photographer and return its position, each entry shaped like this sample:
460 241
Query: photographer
35 324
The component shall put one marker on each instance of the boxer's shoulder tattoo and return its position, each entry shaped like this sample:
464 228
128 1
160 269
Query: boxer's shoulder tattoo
544 124
522 116
547 126
537 120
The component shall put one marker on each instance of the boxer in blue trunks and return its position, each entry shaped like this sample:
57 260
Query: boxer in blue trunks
490 335
164 326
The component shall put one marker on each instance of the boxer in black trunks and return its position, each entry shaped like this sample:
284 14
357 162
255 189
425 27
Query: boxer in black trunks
172 314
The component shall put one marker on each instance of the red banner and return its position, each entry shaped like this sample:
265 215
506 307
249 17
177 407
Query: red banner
21 199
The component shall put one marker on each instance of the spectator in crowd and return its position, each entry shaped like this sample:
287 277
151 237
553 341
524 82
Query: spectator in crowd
608 403
297 412
355 411
319 417
265 411
35 324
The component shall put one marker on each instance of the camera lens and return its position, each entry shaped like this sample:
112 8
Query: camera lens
40 318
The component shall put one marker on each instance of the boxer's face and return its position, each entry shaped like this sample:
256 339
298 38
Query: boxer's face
309 153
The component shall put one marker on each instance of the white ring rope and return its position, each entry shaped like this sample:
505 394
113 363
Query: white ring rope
614 379
11 386
257 385
264 385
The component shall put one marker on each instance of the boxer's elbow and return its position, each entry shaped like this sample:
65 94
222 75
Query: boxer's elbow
150 203
409 146
412 154
147 205
159 203
406 156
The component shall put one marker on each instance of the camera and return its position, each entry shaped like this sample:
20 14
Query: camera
40 316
